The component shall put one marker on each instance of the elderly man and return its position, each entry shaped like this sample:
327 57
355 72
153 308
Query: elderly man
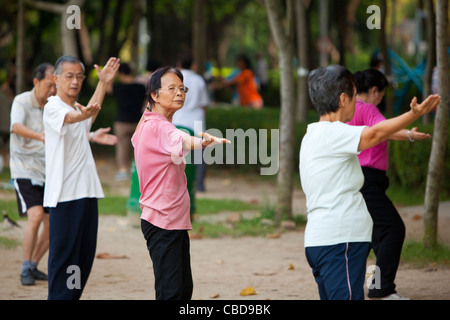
72 184
27 165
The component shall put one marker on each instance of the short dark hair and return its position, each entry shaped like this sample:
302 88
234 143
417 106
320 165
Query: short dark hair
68 59
124 68
185 60
326 84
364 80
41 70
154 83
244 58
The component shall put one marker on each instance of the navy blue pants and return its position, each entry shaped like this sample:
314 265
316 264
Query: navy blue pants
73 240
339 270
169 252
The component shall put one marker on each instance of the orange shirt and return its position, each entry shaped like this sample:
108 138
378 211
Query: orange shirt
246 86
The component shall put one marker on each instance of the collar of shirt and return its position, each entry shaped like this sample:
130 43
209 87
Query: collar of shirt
148 115
34 100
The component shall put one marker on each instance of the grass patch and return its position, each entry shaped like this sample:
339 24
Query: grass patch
210 206
113 205
9 243
416 254
10 206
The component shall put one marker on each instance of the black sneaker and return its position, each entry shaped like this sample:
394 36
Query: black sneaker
27 278
38 275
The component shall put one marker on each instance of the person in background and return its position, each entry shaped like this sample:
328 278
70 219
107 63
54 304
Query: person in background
261 71
193 111
339 227
130 97
388 228
27 165
246 84
72 186
159 150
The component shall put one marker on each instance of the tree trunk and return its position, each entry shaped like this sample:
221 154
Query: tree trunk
438 148
302 52
431 54
199 36
387 66
283 40
20 70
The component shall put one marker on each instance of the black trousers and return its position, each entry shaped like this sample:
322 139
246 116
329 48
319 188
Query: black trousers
73 241
388 230
169 252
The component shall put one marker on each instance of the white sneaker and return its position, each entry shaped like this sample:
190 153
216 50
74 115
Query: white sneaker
395 296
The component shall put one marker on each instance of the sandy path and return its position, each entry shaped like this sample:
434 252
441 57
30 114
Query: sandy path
222 267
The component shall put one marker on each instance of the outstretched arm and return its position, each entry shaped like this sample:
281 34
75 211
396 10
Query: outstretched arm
381 131
191 143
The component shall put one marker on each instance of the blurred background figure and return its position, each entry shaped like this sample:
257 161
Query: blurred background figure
193 111
130 97
246 84
261 72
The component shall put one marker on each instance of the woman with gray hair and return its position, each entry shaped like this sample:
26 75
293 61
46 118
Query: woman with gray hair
159 150
339 228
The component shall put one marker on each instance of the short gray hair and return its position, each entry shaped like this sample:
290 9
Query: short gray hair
69 59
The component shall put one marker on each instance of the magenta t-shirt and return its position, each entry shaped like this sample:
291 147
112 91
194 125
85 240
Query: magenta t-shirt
367 114
160 164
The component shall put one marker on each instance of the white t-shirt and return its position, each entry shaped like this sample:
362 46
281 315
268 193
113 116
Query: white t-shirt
70 168
331 178
196 99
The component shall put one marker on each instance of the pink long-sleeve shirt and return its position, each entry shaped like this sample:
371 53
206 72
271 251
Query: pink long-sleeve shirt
160 164
367 114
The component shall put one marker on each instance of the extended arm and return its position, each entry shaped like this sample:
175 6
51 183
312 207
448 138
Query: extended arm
381 131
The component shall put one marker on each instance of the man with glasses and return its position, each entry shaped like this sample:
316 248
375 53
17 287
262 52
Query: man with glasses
72 184
27 165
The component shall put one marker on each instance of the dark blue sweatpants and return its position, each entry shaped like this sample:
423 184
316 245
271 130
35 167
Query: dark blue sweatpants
339 270
73 240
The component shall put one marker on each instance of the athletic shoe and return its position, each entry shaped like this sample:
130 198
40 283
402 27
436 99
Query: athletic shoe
395 296
38 275
27 278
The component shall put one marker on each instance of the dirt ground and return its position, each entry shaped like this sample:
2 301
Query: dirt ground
275 267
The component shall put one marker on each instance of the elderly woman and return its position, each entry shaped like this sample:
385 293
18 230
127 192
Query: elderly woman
339 228
159 149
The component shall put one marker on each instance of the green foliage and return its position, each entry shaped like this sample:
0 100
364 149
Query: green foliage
245 119
409 162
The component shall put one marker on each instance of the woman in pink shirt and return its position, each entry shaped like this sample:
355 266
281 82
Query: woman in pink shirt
159 150
388 228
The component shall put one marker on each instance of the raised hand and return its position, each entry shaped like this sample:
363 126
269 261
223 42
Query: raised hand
428 105
108 72
90 110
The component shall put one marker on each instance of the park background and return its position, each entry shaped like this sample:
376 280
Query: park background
316 32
